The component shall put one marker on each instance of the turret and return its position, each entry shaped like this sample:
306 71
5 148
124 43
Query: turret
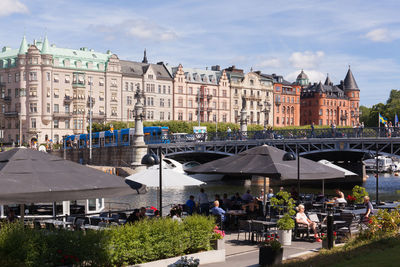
23 48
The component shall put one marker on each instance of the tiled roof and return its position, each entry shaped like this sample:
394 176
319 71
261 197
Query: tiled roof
138 69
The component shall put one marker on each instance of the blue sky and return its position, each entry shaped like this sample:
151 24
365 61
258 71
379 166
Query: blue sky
280 37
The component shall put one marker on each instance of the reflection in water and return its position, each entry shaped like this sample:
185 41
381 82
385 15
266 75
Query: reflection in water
389 189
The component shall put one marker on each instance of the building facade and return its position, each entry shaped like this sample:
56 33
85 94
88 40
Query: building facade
256 89
201 95
329 104
286 102
46 90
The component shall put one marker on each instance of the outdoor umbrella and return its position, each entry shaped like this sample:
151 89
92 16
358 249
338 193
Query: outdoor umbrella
29 176
268 161
330 164
150 178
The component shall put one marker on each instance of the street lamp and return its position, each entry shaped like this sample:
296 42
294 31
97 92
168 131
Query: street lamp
153 159
369 155
288 156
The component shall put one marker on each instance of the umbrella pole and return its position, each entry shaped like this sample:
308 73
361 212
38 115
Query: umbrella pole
264 200
22 211
160 184
298 172
54 210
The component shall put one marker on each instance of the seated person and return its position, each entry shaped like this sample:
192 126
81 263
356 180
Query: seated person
191 205
217 197
301 218
320 198
247 197
340 197
134 216
236 201
227 202
157 214
142 214
175 215
369 209
216 210
252 206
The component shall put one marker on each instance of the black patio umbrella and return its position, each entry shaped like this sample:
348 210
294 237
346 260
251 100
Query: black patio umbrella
29 176
268 161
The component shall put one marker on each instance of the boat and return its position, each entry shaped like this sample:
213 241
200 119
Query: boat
176 166
385 164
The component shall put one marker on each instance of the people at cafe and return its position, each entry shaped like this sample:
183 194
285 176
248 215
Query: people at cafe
217 197
142 214
270 194
204 205
227 202
301 218
11 216
369 209
294 194
134 216
157 214
320 198
174 214
261 195
339 197
216 210
236 198
247 197
190 205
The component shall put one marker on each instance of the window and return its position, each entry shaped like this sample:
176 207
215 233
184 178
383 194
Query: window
164 89
55 124
129 100
56 93
180 102
161 102
159 89
320 113
180 116
56 108
32 92
169 89
113 111
150 77
33 107
224 93
32 76
214 92
169 103
9 78
161 115
180 89
33 122
114 97
224 118
101 96
101 81
190 116
67 79
48 77
17 77
224 105
277 120
48 108
16 92
67 124
190 103
113 82
101 110
126 86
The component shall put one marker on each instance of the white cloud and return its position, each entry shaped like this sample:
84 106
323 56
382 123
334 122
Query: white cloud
380 35
270 63
307 59
313 76
8 7
145 30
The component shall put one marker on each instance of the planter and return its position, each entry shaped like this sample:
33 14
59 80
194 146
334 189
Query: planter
269 257
285 237
325 243
218 244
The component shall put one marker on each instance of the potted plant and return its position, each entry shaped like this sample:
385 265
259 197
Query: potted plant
271 251
351 199
324 238
283 202
359 193
217 239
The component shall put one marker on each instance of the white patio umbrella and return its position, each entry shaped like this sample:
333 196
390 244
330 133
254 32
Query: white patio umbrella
150 178
334 166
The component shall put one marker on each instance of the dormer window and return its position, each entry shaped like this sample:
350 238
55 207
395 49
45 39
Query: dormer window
74 53
251 82
94 56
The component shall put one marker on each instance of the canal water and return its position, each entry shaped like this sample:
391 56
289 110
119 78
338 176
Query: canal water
389 190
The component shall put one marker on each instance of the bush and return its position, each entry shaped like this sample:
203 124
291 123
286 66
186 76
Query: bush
359 193
144 241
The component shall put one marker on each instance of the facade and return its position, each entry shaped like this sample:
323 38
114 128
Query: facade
203 92
328 104
256 90
286 102
47 90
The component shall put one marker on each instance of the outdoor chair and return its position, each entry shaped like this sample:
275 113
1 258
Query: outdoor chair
351 227
301 230
258 229
95 221
244 227
37 225
219 222
79 223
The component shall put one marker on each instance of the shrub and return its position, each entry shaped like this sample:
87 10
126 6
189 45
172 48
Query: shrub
199 230
359 193
283 202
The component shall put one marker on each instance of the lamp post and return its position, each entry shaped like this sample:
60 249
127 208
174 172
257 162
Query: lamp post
266 110
292 156
369 155
90 121
150 160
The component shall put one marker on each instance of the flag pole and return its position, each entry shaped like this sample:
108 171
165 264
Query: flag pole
379 125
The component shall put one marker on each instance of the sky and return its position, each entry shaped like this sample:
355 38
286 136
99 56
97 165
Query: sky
279 37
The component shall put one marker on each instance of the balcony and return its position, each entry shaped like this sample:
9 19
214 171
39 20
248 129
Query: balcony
7 98
10 114
62 114
88 101
67 99
78 83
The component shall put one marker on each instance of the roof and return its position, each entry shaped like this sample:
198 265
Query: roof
350 82
328 81
138 69
331 90
302 76
202 76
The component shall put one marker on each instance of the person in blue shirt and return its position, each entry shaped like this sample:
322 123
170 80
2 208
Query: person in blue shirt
216 210
190 204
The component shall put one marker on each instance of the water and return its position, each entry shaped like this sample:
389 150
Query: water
389 190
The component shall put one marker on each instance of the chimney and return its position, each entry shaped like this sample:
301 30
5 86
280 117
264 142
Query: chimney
160 63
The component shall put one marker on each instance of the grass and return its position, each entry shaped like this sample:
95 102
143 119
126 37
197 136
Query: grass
381 252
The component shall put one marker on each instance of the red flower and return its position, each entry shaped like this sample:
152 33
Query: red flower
334 233
322 234
269 236
277 236
272 235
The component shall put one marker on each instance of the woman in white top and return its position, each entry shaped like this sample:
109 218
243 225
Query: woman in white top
301 218
340 197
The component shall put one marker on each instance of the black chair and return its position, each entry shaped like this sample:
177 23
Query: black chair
351 227
219 222
258 229
244 227
50 226
300 230
79 223
37 225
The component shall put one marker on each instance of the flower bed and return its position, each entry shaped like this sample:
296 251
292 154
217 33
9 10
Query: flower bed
144 241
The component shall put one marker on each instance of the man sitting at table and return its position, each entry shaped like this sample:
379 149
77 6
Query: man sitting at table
247 197
301 218
134 216
142 214
216 210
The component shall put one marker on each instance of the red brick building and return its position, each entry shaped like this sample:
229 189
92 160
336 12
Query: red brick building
327 104
286 102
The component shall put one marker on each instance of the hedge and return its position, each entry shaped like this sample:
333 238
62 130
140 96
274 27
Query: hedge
144 241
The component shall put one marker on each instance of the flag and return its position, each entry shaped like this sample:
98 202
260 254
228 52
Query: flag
382 119
396 119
